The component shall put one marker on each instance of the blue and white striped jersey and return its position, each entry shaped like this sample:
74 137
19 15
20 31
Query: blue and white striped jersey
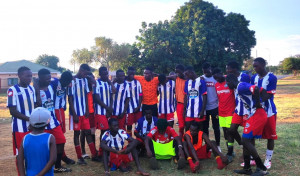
135 89
78 89
143 127
245 92
115 142
60 94
269 83
240 109
122 92
47 98
103 89
166 98
23 99
194 91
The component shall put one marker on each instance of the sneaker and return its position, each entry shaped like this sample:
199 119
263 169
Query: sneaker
86 156
96 159
68 160
252 163
219 148
81 162
180 163
229 158
153 163
243 171
62 169
259 172
268 164
123 168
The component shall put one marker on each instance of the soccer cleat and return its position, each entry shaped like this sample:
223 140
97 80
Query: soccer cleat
62 169
268 164
86 156
180 163
123 168
96 159
192 165
153 163
81 162
68 160
229 158
259 172
252 163
243 171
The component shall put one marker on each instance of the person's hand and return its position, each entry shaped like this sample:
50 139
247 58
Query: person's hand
201 115
75 118
109 109
108 115
149 154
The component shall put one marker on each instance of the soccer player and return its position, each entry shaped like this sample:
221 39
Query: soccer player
195 99
251 96
115 153
60 90
21 100
37 153
226 108
267 81
240 113
103 102
120 99
136 96
46 93
194 148
166 107
212 103
143 127
79 112
164 143
149 88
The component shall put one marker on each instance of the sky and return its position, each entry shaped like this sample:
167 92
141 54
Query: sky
34 27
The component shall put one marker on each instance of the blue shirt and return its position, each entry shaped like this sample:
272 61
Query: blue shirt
37 153
143 127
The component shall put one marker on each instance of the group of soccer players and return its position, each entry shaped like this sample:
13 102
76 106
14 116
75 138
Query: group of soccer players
149 102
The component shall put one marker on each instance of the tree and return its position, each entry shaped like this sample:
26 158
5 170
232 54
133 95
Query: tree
291 63
82 56
48 61
103 50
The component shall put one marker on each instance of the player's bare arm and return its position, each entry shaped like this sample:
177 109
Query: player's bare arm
15 113
203 106
71 106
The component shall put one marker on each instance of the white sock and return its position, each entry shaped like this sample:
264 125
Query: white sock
269 154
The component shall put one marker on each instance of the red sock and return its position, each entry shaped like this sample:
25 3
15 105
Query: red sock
220 163
192 165
93 149
78 151
100 151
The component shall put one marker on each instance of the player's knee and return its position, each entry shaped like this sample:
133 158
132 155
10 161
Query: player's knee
87 132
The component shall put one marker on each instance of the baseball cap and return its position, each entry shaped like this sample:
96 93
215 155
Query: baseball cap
39 117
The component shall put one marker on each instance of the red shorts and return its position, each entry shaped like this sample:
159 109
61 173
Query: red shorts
83 123
133 117
255 125
270 128
92 120
121 121
169 117
17 139
101 122
58 134
179 111
203 153
190 119
240 120
117 159
60 116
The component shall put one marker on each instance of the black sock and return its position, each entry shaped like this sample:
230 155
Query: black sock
58 160
247 162
260 164
94 138
230 150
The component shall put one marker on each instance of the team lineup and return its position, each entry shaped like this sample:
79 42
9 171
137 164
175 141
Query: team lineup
149 103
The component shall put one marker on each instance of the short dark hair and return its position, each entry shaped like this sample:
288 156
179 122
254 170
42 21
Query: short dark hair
179 67
119 71
43 72
22 69
195 124
189 68
149 68
85 67
162 78
206 66
231 78
162 124
112 120
131 68
216 70
233 65
260 60
101 69
66 76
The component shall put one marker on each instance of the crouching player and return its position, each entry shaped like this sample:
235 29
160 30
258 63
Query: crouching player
115 151
194 148
251 96
164 143
143 127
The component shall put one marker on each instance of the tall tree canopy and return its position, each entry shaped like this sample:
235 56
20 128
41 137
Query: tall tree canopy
48 61
292 63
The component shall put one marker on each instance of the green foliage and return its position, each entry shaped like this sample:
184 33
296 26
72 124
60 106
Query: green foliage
82 56
291 63
48 61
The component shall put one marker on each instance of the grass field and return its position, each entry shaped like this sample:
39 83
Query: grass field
285 159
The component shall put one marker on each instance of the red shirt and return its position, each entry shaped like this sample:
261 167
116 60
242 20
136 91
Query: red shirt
226 99
169 135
